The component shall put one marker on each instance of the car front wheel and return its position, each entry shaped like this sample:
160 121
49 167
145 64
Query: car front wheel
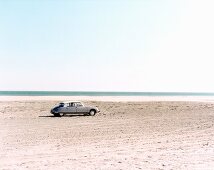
57 115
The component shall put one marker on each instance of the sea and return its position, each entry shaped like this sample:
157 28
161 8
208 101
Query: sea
94 93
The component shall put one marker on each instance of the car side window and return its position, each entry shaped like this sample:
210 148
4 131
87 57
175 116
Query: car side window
78 104
71 105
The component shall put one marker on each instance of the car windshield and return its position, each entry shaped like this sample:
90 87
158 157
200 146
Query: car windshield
61 105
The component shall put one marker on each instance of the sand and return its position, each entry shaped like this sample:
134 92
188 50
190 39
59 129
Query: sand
124 135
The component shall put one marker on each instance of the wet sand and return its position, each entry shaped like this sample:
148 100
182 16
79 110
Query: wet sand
124 135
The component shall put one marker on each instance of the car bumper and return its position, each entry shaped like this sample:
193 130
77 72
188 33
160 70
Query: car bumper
52 112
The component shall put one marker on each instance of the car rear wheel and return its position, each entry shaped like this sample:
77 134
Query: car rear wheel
92 112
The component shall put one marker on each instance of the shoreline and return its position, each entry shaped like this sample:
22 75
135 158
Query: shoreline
110 98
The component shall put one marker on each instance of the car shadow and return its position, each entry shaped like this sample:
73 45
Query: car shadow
52 116
46 116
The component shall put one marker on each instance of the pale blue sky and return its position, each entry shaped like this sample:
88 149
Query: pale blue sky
114 45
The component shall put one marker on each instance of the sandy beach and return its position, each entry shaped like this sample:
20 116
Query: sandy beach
128 133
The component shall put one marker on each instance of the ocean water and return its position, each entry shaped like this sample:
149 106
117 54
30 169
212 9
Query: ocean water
92 93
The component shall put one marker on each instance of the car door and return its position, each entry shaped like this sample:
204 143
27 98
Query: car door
80 108
71 108
63 108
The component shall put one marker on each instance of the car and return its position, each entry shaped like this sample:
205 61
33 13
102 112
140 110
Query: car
73 107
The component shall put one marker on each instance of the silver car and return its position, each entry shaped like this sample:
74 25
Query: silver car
73 107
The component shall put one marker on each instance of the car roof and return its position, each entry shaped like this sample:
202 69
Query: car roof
71 102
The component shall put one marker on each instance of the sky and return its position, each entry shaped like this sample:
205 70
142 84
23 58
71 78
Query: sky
114 45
